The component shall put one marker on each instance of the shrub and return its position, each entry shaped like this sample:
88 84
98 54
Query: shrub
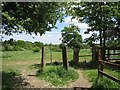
8 47
16 48
56 49
58 76
36 49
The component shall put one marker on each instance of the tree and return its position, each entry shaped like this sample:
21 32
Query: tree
72 39
103 17
31 17
21 43
38 44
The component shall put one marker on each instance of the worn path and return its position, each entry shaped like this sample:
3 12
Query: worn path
31 81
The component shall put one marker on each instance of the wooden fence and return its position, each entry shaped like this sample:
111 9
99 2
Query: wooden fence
106 56
64 58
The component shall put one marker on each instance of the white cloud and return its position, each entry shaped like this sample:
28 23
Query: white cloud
68 20
49 38
82 25
74 21
85 36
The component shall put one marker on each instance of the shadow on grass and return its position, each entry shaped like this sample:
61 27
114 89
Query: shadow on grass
35 66
38 66
84 65
11 81
54 63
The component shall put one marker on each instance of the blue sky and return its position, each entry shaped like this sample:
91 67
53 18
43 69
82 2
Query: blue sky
51 36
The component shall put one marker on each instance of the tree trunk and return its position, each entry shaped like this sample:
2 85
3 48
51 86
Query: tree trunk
64 56
43 58
76 55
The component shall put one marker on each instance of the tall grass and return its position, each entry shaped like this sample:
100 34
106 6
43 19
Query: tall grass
58 76
101 83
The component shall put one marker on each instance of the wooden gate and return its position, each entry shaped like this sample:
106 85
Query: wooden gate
106 56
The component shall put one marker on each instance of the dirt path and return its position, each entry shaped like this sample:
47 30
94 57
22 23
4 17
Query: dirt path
81 81
31 81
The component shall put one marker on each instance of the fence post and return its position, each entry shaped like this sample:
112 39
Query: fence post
94 53
108 56
64 56
43 58
100 57
50 53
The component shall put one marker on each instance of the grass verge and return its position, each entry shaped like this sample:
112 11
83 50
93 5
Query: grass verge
58 76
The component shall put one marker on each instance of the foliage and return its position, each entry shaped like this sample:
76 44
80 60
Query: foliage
71 37
8 47
58 76
36 49
20 45
103 83
32 17
38 44
85 46
102 17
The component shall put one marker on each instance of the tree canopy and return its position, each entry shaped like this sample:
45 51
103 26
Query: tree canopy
32 17
100 16
71 37
38 17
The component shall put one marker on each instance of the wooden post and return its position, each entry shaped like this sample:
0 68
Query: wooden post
64 56
43 58
100 65
94 53
102 58
108 56
50 53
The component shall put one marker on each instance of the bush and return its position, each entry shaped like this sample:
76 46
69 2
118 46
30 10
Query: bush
16 48
58 76
56 49
8 47
36 49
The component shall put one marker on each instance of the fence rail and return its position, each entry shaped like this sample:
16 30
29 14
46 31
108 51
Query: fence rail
103 61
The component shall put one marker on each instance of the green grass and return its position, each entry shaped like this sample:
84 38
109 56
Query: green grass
30 55
103 83
21 55
83 53
58 76
113 72
20 60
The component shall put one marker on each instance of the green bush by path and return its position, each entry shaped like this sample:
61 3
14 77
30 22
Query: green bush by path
58 76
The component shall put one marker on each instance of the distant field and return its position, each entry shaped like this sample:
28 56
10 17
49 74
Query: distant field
12 59
30 55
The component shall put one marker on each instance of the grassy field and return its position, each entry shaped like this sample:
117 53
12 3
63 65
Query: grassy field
11 57
16 61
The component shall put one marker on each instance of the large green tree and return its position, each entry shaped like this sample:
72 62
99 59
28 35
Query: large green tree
31 17
72 39
103 17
